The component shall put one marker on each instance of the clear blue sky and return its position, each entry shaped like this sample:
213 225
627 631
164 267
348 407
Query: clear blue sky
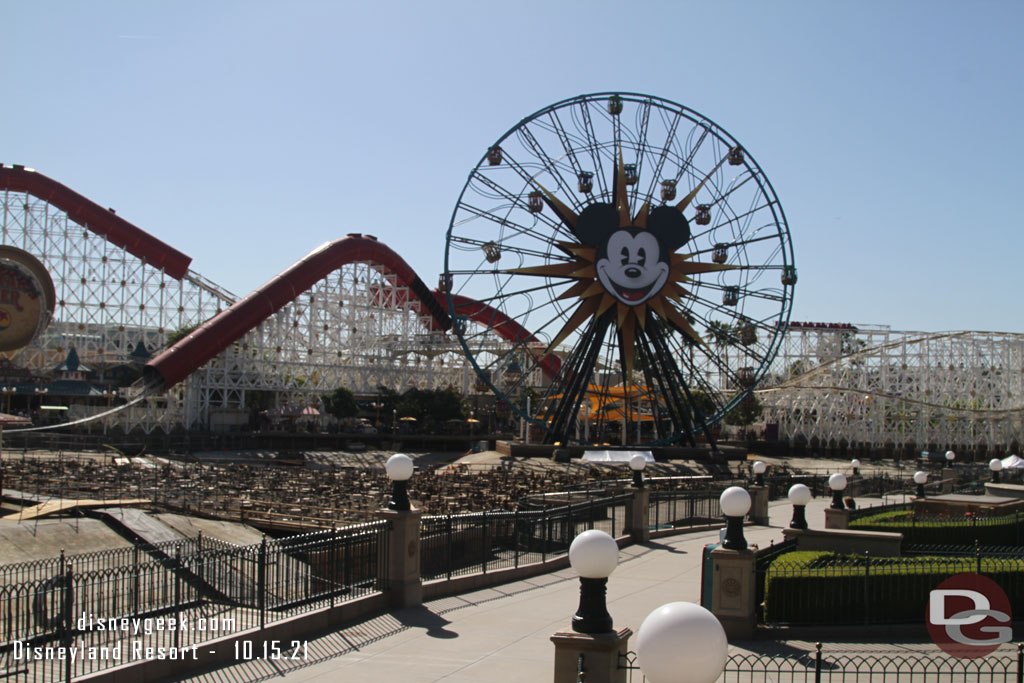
247 133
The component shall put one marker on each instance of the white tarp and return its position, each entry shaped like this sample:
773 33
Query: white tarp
1013 462
615 456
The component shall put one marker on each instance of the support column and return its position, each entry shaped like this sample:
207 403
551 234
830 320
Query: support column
601 654
758 504
404 585
948 479
733 594
638 510
837 519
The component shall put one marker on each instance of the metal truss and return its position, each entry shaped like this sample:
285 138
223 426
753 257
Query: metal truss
109 301
356 328
359 328
836 385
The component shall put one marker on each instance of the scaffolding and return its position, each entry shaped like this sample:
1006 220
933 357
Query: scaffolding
836 385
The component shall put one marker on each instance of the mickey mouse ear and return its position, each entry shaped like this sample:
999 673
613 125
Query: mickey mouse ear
596 223
669 226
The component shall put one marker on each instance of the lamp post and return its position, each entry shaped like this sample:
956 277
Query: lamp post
799 496
735 502
920 478
8 392
399 468
394 420
996 466
594 555
681 641
950 457
759 470
837 482
855 463
637 463
108 394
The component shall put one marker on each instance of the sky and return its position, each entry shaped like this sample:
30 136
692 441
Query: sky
245 134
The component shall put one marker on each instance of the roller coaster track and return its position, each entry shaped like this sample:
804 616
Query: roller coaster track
186 355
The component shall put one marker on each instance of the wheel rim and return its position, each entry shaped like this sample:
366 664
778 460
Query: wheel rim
568 281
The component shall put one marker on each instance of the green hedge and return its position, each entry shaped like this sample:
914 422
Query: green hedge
815 587
1005 530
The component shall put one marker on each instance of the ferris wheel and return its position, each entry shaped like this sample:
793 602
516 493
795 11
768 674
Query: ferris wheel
618 269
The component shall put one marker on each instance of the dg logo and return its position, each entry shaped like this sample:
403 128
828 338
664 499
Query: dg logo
968 616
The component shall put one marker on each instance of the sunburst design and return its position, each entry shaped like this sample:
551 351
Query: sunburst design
611 274
595 298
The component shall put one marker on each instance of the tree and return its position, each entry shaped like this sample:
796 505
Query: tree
703 403
431 405
341 403
180 333
745 413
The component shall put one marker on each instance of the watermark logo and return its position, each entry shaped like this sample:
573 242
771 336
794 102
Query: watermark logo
968 616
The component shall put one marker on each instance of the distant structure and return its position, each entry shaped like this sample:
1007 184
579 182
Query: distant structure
130 312
837 384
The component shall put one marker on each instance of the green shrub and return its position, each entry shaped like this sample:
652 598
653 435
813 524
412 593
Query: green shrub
816 587
1004 530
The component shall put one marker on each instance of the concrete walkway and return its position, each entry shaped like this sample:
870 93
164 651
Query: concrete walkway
501 634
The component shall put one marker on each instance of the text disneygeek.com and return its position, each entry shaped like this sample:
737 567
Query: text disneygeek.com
135 648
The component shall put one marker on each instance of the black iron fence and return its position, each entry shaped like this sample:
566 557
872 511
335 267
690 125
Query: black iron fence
455 545
79 614
817 666
762 561
822 588
674 509
940 529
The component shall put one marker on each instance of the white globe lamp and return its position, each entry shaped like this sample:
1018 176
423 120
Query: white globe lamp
735 502
681 641
799 496
399 468
759 468
637 463
594 555
995 465
837 482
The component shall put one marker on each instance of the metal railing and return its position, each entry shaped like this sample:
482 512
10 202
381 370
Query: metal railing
165 600
457 545
818 666
674 509
942 529
831 589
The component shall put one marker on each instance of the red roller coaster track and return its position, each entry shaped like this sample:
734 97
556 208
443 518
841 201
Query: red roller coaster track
103 222
215 335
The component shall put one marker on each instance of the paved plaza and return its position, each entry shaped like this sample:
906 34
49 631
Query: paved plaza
501 634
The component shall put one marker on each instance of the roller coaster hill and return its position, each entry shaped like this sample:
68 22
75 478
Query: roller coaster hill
135 327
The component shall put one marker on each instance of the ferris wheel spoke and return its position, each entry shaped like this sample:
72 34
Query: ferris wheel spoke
553 167
570 150
647 354
517 229
588 131
517 202
663 155
505 247
644 116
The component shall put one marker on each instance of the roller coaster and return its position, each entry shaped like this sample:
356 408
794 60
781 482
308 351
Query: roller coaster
180 352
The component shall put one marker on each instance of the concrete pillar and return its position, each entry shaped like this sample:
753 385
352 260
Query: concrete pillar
837 519
638 512
948 476
758 504
404 585
733 593
601 656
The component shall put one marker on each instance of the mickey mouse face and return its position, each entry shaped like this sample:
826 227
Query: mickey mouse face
632 263
633 271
